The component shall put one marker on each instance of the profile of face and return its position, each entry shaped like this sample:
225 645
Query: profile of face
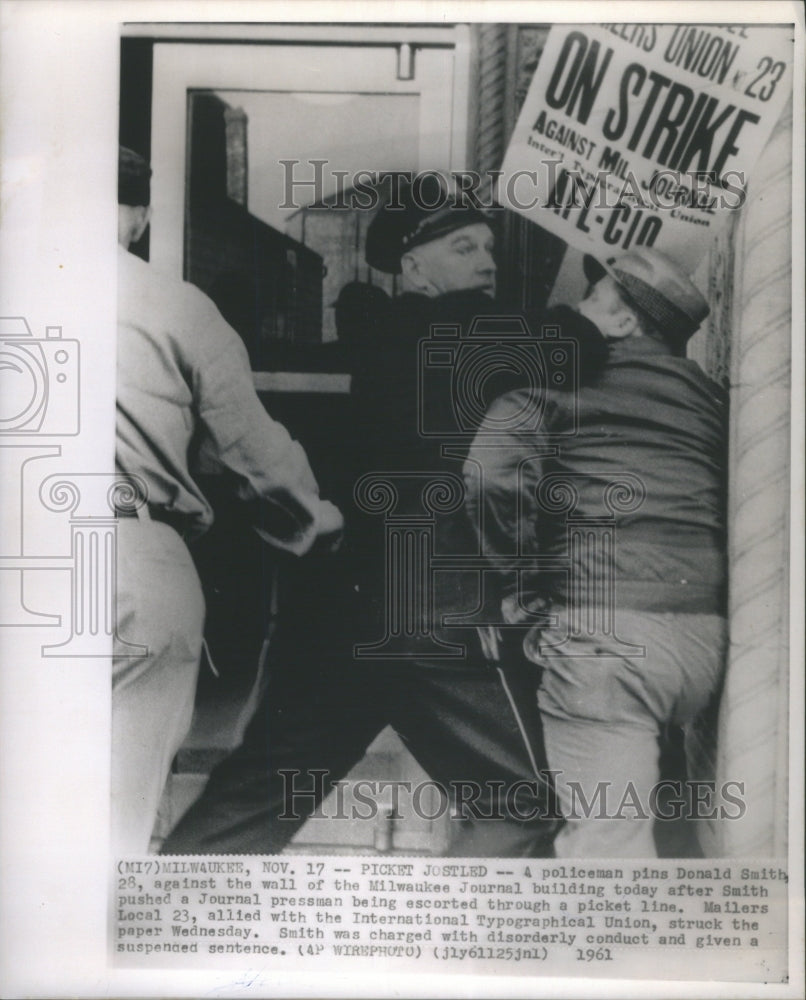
460 261
605 307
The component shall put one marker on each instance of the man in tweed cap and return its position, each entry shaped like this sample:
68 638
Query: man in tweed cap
638 637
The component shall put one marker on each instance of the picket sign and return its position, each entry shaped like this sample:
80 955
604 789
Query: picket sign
637 135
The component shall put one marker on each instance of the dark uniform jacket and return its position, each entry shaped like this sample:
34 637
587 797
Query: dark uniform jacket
644 448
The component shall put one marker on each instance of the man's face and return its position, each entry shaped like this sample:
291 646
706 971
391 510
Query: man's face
604 306
460 261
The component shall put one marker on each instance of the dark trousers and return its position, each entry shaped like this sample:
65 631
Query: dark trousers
323 708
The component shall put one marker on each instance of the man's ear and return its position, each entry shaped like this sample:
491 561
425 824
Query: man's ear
626 324
410 269
143 219
414 274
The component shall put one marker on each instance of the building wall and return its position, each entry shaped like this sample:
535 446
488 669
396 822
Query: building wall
753 724
745 345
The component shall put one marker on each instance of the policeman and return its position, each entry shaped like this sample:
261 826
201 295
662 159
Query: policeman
404 664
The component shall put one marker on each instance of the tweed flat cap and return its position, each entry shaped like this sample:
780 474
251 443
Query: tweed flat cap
658 285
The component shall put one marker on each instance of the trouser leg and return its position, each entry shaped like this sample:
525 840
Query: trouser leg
315 721
159 605
602 771
321 711
461 726
603 713
314 725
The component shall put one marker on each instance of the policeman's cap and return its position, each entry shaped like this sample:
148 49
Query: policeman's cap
395 230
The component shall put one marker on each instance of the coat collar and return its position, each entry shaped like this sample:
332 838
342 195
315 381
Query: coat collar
637 347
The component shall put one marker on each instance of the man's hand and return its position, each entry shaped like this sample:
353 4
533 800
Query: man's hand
329 527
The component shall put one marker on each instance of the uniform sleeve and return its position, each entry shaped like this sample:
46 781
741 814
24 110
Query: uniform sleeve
271 470
501 473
